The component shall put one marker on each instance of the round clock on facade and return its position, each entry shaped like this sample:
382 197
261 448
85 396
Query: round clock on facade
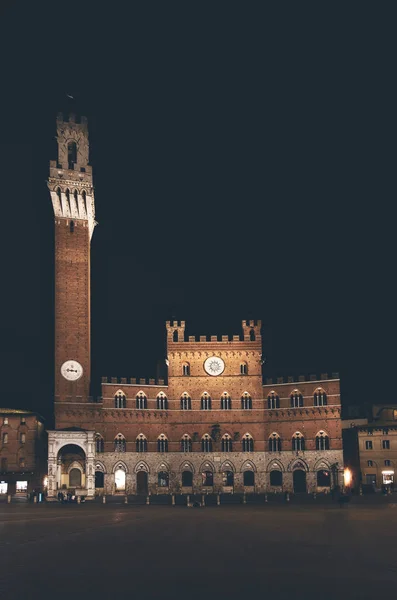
71 370
214 365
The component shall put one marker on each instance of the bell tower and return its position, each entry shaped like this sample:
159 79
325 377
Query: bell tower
72 195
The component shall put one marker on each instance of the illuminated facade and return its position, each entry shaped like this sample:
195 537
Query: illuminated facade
22 452
212 426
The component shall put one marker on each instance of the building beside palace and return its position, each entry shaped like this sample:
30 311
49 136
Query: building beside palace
377 446
212 425
23 460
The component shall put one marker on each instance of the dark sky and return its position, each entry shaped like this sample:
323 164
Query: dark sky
241 157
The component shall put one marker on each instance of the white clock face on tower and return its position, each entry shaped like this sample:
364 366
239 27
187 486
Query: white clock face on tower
71 370
214 366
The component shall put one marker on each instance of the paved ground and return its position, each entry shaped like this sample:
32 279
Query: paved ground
146 552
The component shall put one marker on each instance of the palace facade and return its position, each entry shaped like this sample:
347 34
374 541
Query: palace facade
211 426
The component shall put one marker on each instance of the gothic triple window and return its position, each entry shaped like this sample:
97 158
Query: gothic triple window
99 443
274 443
298 442
141 400
162 402
227 443
320 397
322 441
186 402
186 443
162 443
206 443
205 401
246 401
226 401
120 400
247 443
141 443
296 399
273 401
119 443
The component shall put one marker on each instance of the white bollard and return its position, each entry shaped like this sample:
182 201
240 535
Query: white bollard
202 500
78 499
265 497
147 499
9 499
104 499
173 499
125 499
244 499
218 500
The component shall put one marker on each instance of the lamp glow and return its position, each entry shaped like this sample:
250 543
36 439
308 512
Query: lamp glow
348 476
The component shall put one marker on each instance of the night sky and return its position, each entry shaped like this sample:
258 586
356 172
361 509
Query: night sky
241 155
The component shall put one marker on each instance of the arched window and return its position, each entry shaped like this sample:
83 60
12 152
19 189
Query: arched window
186 402
186 443
324 478
296 399
247 443
298 442
322 441
71 226
185 369
163 479
162 443
252 335
4 464
207 478
276 478
205 401
187 479
249 478
72 155
274 443
226 401
228 478
120 399
67 194
320 397
206 443
175 336
99 443
246 401
119 443
273 401
227 443
84 196
141 400
243 368
58 192
22 462
162 402
141 443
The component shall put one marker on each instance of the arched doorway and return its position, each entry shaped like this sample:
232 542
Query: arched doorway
324 478
228 478
99 479
299 479
142 483
187 479
248 478
71 462
119 481
75 478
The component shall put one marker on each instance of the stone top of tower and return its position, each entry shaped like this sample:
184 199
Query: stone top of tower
176 334
70 181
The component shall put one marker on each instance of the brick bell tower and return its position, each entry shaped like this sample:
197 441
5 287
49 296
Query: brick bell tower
72 195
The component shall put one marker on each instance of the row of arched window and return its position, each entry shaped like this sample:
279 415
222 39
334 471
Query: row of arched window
273 400
72 195
186 369
276 478
227 443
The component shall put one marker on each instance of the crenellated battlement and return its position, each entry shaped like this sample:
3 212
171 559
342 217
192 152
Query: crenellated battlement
251 332
133 381
301 379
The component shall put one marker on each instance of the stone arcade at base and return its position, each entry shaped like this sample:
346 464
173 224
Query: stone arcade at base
213 426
